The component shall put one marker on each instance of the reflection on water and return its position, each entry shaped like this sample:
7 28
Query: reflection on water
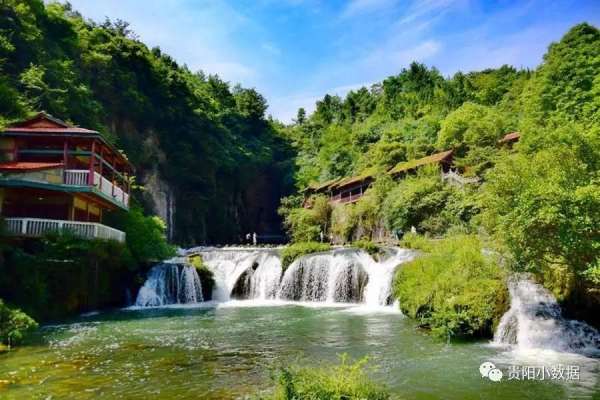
224 352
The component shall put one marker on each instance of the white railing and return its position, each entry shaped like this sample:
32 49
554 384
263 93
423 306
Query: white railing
455 177
37 227
79 177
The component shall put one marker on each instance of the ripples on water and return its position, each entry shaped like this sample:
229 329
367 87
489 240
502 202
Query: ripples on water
230 350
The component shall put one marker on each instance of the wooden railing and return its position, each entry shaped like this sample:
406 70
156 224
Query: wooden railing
345 199
33 227
455 177
80 177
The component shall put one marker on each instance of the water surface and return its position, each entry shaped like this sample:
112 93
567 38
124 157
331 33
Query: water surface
231 350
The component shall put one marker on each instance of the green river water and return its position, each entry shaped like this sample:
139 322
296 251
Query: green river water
228 352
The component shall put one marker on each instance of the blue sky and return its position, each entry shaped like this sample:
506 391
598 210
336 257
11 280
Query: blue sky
295 51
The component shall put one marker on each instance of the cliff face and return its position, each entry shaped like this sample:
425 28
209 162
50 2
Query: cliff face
161 198
200 201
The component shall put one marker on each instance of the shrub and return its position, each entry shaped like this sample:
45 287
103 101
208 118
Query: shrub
348 381
305 224
453 289
14 324
61 274
368 246
416 242
206 275
295 250
145 234
343 222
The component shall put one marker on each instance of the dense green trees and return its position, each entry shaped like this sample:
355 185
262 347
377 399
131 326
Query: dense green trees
206 140
536 201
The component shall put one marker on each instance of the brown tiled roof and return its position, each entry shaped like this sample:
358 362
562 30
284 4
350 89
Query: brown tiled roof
510 137
45 123
351 180
27 166
318 187
412 164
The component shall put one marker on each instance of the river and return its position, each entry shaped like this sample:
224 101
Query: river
228 348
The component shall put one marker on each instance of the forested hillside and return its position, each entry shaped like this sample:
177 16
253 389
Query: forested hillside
537 203
210 162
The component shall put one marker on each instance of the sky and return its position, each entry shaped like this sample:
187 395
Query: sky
296 51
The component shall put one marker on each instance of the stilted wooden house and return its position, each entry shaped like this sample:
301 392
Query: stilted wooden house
54 177
350 189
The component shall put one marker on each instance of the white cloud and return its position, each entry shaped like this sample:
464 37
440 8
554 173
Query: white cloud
420 9
358 7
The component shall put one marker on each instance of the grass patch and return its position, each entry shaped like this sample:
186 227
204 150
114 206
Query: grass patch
206 275
416 242
347 380
295 250
453 289
368 246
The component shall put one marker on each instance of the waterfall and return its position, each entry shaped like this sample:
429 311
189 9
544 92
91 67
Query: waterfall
535 320
170 283
381 274
244 272
336 276
347 276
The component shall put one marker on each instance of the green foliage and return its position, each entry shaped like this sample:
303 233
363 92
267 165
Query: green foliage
417 242
207 277
145 235
428 204
62 274
343 222
305 224
345 381
14 324
453 288
290 253
208 141
566 86
368 246
547 212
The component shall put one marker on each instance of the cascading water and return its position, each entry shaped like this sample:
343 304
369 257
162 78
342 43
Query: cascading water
337 276
170 283
246 273
381 274
535 321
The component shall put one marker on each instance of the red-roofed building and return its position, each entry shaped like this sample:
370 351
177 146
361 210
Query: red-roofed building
54 176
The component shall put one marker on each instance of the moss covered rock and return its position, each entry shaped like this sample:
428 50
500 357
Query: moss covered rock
454 289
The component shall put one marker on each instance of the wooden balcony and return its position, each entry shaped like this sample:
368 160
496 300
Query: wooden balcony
81 177
35 227
347 198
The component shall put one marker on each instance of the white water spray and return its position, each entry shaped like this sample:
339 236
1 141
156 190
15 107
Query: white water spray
381 274
261 269
336 276
535 321
170 283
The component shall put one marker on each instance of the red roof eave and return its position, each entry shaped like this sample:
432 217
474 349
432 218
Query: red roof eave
17 166
51 130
